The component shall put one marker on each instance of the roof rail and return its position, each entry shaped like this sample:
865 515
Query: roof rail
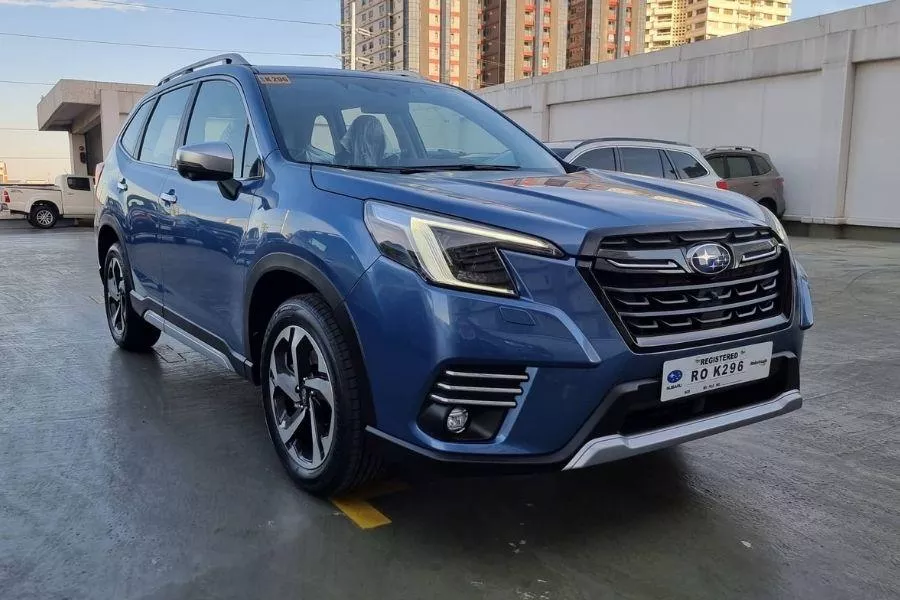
745 148
631 139
227 59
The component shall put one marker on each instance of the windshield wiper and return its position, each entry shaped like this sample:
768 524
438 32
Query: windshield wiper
409 170
468 167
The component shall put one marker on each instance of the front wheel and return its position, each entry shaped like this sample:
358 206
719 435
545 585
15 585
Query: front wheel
312 399
43 216
127 328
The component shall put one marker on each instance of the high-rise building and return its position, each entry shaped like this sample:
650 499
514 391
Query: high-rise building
432 37
677 22
521 38
603 30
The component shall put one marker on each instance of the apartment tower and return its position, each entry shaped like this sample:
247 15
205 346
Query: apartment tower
431 37
601 30
521 38
677 22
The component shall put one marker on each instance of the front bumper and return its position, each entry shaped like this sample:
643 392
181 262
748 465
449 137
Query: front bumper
575 409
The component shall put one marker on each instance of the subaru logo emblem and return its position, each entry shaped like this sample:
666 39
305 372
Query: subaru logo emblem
674 376
709 259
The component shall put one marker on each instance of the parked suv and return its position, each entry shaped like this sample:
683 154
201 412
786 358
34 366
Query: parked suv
641 156
398 265
751 173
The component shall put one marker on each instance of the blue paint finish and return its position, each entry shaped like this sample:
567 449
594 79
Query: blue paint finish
197 260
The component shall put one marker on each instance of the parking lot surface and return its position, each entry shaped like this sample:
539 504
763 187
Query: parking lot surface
151 476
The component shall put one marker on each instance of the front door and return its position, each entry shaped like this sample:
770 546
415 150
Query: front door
78 199
201 252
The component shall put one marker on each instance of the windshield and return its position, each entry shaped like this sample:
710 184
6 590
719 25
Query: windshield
395 124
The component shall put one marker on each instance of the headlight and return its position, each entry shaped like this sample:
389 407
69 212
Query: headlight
448 251
776 226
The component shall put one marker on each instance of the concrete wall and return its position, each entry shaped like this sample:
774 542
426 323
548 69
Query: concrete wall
821 95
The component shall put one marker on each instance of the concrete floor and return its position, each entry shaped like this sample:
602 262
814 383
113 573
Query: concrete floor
125 476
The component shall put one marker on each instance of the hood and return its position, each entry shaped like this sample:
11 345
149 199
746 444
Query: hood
561 208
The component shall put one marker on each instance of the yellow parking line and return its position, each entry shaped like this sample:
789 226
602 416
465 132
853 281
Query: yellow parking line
361 512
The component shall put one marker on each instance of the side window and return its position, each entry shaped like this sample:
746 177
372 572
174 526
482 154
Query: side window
739 166
762 165
392 146
80 184
219 116
252 164
641 161
132 133
718 165
599 158
321 136
686 165
668 169
158 147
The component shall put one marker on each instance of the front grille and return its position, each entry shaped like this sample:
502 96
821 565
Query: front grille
479 386
645 281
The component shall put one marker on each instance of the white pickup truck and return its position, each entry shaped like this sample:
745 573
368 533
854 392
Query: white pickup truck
71 197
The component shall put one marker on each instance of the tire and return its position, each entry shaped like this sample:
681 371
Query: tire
127 328
43 216
305 349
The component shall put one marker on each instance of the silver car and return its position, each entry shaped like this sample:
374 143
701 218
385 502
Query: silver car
749 172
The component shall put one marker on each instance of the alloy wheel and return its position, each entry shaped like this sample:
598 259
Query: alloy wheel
44 217
115 296
302 397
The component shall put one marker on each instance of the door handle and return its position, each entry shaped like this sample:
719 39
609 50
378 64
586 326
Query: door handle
122 185
169 198
756 183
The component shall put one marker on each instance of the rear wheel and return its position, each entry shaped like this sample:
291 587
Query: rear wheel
127 328
43 216
311 397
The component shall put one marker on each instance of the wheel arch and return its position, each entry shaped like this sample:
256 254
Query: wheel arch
274 279
44 202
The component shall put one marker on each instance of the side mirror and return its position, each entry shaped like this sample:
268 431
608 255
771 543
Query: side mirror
210 161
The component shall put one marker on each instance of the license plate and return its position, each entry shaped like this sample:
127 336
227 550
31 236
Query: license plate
705 372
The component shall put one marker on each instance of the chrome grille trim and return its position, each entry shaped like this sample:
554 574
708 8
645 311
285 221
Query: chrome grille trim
471 402
485 386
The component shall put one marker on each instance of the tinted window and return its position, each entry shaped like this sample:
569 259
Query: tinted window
162 130
252 164
718 165
668 169
219 116
132 133
739 166
82 184
641 161
398 122
762 165
686 165
601 158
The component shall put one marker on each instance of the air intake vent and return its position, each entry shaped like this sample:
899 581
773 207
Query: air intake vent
479 386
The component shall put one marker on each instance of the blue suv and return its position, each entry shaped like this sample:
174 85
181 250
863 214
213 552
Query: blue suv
398 265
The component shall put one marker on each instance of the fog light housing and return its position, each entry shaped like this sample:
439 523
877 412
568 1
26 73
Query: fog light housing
457 420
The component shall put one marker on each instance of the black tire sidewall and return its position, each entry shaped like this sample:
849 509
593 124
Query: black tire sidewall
116 252
346 434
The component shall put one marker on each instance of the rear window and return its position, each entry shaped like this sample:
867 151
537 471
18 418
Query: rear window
80 184
132 133
739 166
642 161
762 165
686 165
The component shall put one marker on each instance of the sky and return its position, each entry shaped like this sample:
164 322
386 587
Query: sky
46 61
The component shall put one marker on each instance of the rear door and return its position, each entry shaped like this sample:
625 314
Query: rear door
767 179
742 177
142 173
644 161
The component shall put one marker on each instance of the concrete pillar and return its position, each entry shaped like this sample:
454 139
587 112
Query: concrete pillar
540 112
838 82
110 118
76 144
